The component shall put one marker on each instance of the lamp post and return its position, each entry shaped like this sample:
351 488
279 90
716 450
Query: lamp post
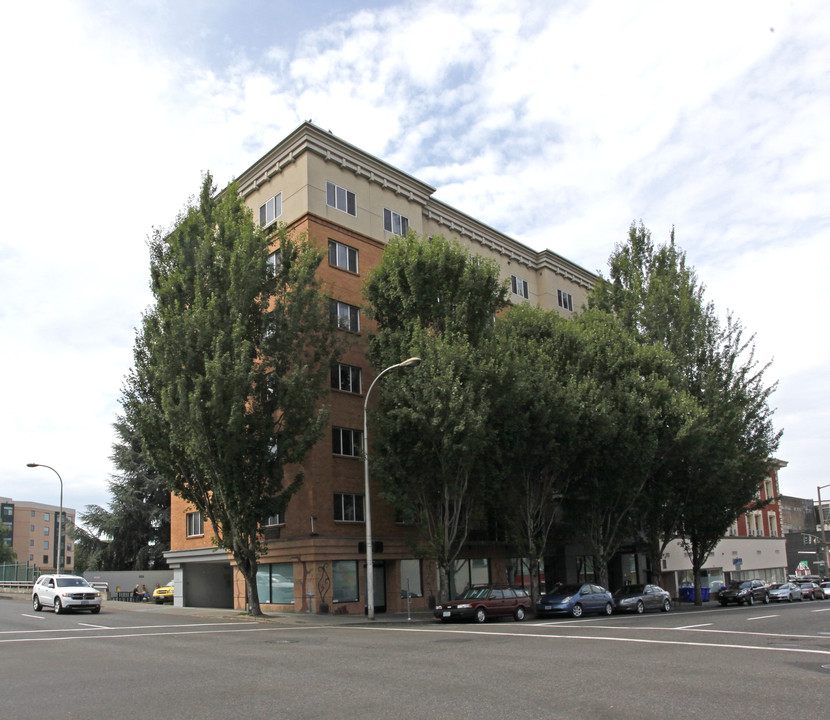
823 539
370 568
60 516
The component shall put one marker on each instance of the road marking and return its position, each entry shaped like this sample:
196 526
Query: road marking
641 641
36 617
127 627
692 627
763 617
96 627
152 634
821 610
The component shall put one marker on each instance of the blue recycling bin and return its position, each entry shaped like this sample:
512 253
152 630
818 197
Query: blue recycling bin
687 594
704 594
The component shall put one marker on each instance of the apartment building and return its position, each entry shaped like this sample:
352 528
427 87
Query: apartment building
351 204
32 531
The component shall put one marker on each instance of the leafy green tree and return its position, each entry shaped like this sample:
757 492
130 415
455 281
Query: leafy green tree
7 555
734 448
710 465
532 423
624 396
231 364
134 532
431 435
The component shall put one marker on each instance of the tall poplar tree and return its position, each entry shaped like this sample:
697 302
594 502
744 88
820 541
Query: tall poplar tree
431 299
708 471
230 369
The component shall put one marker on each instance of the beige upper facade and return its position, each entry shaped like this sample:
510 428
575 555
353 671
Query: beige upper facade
300 167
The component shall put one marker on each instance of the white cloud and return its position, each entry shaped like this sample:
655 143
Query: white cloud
558 124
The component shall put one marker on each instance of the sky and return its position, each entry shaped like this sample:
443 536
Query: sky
557 123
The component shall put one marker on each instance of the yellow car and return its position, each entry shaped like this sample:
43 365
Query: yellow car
163 594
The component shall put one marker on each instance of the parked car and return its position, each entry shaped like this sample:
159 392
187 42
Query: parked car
825 588
482 601
163 594
576 600
65 592
639 598
785 591
812 591
743 591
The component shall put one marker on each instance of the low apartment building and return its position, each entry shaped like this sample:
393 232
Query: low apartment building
32 531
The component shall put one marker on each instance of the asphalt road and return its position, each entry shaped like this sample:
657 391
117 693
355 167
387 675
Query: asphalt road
146 661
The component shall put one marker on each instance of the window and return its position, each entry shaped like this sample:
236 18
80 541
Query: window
45 559
346 378
773 525
345 316
68 559
565 300
411 578
195 525
33 513
340 198
46 517
344 581
519 287
45 544
272 521
271 210
275 583
31 543
345 441
274 262
465 573
395 223
348 507
46 531
342 256
31 528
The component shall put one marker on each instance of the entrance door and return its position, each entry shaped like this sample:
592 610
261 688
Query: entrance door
380 586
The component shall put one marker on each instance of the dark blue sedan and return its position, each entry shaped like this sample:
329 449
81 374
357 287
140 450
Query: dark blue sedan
575 600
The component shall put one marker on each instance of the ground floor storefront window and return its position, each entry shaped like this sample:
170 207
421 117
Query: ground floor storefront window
465 573
275 583
411 584
344 581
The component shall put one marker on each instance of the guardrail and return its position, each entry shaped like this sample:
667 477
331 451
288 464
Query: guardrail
16 586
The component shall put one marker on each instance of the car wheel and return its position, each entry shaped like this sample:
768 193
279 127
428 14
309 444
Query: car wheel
640 607
766 599
750 600
36 603
609 609
519 614
576 610
57 607
666 605
723 603
481 615
96 610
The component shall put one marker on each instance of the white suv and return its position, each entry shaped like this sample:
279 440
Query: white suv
65 592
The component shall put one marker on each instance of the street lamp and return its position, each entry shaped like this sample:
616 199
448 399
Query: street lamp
370 568
60 516
823 539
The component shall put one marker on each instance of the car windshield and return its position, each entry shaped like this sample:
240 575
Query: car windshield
475 593
71 582
778 586
566 590
630 590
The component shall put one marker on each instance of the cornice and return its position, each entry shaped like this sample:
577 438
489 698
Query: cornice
310 138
